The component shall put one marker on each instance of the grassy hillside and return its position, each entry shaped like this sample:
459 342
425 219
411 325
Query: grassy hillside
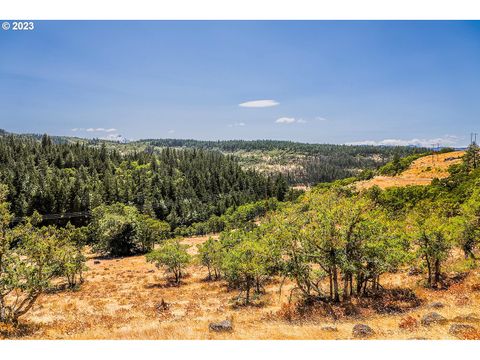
421 171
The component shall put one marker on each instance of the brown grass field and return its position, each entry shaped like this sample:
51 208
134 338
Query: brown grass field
421 172
120 300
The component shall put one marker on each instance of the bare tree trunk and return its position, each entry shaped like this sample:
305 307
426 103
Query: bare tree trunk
331 283
437 272
351 284
345 288
359 284
429 282
335 285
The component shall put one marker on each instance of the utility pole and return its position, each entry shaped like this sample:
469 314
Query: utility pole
473 138
473 145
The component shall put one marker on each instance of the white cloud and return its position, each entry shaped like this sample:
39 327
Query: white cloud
237 124
285 120
290 120
259 103
447 140
75 129
171 131
100 130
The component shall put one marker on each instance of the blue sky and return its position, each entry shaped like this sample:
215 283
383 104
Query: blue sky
312 81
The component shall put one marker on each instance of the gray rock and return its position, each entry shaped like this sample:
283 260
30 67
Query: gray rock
436 305
471 318
433 318
362 331
459 329
222 326
329 328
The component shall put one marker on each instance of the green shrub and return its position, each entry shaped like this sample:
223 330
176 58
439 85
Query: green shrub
120 230
172 256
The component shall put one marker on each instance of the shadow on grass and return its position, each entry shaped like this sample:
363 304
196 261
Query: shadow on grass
18 331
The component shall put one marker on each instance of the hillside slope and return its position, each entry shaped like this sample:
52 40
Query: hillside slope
421 172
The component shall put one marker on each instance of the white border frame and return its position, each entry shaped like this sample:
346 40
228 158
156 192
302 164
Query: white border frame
239 9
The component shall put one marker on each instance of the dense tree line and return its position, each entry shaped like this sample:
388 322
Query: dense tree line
313 163
179 186
297 147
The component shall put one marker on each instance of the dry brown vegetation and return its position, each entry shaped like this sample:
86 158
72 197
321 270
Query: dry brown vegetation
421 172
128 298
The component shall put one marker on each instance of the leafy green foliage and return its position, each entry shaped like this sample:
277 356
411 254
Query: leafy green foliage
235 217
246 262
30 257
336 235
398 164
468 224
172 256
431 231
120 230
70 250
210 255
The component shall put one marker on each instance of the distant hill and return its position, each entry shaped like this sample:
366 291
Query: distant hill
300 163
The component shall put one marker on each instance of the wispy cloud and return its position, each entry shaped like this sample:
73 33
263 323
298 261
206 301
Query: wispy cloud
101 130
237 124
259 103
285 120
171 131
294 120
290 120
447 140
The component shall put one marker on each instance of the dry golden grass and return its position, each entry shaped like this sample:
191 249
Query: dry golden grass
421 172
122 299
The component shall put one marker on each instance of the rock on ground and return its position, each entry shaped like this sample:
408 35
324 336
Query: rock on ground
222 326
433 318
329 328
362 331
459 329
436 305
471 318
